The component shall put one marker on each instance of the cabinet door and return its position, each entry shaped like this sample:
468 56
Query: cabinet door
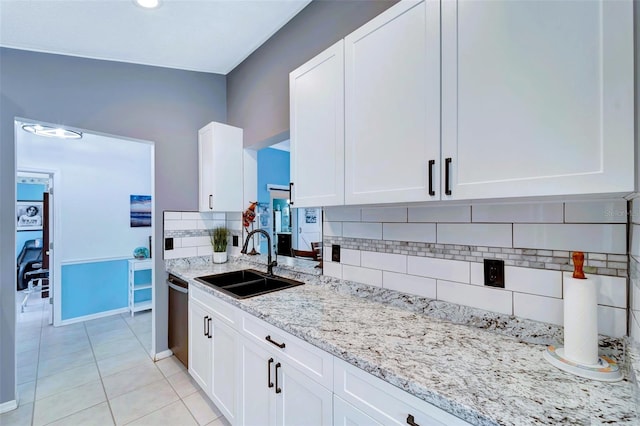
537 97
200 345
392 106
225 369
220 166
301 400
345 414
257 397
316 91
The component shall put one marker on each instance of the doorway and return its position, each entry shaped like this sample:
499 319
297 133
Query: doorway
288 226
98 181
34 214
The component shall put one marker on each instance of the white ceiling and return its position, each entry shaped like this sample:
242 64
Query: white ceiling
199 35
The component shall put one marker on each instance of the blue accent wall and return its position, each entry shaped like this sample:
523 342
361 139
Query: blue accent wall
91 288
273 167
28 192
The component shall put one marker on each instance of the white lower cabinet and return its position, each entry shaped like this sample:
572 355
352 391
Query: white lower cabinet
200 344
345 414
383 402
277 388
225 366
213 350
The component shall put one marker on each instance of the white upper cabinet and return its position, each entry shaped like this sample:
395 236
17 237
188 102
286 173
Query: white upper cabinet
537 98
317 129
392 105
220 168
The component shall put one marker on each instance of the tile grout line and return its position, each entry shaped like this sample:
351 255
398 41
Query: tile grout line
35 390
95 360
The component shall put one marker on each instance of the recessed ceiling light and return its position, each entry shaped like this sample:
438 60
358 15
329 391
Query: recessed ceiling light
148 4
51 132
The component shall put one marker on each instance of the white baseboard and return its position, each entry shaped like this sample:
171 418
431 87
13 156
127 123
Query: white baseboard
162 355
8 406
95 316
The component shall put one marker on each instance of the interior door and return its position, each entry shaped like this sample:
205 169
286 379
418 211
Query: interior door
308 227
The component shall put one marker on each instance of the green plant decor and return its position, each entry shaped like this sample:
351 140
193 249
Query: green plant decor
219 238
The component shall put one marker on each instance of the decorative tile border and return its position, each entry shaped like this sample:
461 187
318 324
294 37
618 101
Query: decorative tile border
194 233
595 263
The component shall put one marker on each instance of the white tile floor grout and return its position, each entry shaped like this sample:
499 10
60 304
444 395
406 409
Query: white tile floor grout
99 373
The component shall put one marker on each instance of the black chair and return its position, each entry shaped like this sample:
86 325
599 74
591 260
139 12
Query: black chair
29 259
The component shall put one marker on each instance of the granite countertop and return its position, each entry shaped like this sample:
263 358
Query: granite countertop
481 376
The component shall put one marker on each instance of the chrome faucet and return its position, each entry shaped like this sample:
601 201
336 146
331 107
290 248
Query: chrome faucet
270 264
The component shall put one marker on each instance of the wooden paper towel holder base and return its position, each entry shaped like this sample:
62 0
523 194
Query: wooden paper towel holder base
605 371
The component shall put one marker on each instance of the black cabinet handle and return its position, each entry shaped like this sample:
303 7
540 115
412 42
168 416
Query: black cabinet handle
209 335
290 193
411 420
269 382
210 202
431 164
447 186
278 390
280 345
204 327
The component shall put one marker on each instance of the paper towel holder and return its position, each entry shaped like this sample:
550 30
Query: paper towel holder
604 369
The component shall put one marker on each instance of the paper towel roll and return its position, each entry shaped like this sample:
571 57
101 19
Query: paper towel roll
580 320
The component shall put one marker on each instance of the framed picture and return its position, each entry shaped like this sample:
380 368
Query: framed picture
311 215
29 215
140 211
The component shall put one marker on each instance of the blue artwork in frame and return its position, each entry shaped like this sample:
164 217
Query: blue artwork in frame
140 211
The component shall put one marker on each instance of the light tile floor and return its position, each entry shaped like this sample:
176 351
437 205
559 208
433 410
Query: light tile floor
99 373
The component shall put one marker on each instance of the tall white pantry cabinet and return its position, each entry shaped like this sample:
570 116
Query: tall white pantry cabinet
472 99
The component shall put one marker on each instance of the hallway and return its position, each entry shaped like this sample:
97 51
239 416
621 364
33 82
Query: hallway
99 373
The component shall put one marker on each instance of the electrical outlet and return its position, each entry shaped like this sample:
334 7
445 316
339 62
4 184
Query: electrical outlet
234 240
168 243
335 253
494 272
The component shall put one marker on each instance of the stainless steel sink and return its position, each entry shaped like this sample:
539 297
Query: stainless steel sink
247 283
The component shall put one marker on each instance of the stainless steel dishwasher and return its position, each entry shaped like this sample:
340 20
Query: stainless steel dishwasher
179 318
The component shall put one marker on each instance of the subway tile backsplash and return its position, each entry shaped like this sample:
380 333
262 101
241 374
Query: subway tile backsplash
475 234
443 249
190 232
599 238
519 213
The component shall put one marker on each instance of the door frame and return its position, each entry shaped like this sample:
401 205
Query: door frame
54 226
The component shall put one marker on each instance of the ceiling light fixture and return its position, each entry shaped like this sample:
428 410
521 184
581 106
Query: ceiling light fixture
148 4
51 132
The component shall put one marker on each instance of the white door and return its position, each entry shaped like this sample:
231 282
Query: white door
225 376
257 401
317 130
537 97
301 400
392 106
200 345
309 227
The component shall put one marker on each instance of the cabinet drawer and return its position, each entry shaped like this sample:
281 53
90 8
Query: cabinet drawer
219 308
313 362
384 402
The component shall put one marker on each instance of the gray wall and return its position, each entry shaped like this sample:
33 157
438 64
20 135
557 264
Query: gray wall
157 104
258 88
